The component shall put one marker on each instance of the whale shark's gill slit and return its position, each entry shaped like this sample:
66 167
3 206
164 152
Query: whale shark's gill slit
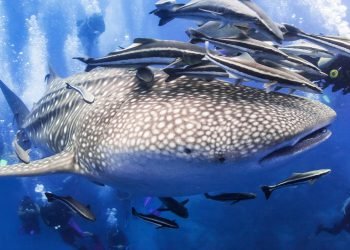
307 142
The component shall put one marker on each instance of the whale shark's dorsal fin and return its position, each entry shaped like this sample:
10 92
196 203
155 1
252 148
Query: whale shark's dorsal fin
51 76
17 106
63 162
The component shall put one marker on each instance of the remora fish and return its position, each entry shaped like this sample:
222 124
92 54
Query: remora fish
159 221
73 204
336 45
205 70
233 197
272 28
146 52
174 206
240 43
197 135
295 64
296 179
245 67
215 29
225 11
307 49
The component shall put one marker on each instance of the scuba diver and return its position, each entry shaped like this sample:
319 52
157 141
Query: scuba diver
117 240
28 213
338 70
342 225
89 30
58 216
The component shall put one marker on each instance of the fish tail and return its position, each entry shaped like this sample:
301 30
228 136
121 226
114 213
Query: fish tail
133 211
267 191
164 16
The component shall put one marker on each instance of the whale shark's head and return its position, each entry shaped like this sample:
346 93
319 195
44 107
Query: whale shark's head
181 137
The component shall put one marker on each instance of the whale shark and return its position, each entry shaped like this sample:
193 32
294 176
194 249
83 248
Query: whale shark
183 137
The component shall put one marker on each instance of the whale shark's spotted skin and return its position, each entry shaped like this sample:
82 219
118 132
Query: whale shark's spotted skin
179 137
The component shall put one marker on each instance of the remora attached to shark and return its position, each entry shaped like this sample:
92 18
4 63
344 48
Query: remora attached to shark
240 12
179 138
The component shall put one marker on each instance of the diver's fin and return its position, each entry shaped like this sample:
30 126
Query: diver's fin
267 191
51 76
59 163
19 109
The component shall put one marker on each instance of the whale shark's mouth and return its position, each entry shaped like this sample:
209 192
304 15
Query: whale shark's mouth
305 143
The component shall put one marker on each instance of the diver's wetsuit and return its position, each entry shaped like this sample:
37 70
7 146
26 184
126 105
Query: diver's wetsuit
28 213
338 71
342 225
57 215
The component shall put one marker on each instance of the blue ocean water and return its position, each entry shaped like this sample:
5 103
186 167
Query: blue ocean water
38 33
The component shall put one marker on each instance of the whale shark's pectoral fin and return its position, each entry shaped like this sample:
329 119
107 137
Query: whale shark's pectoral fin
60 163
19 109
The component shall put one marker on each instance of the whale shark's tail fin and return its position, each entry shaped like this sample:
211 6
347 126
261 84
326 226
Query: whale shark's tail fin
59 163
19 109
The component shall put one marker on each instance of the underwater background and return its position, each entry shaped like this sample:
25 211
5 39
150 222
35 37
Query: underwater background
38 33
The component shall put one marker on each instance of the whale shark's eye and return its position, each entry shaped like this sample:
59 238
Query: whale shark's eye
188 151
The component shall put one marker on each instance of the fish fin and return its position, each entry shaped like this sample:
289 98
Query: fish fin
270 86
312 181
82 59
133 211
234 202
164 16
172 78
174 63
90 67
159 227
215 13
185 202
144 40
246 56
51 76
60 163
17 106
291 30
267 191
50 196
